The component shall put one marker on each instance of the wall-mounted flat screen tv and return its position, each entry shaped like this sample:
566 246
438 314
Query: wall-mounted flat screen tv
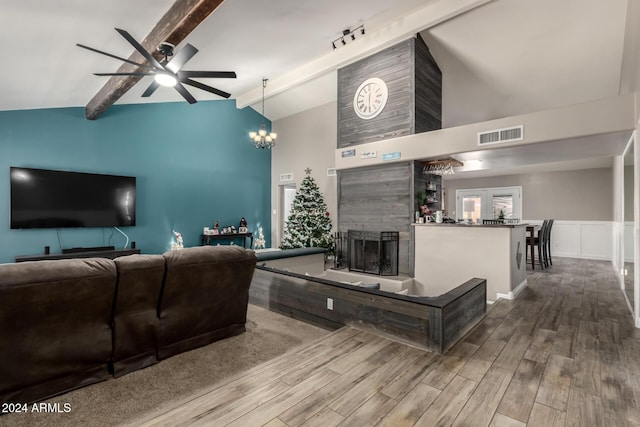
55 199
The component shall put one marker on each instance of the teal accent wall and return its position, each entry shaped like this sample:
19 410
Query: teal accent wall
194 164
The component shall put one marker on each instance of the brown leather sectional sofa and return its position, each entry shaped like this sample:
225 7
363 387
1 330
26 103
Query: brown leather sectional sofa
69 323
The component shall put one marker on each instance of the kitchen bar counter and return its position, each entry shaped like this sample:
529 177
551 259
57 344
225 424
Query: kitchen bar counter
462 224
446 254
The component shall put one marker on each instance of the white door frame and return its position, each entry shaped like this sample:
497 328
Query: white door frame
485 194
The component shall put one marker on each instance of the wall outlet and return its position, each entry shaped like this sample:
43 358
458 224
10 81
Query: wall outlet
329 303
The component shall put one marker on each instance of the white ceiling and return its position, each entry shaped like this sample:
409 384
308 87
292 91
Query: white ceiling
255 39
568 154
515 57
498 57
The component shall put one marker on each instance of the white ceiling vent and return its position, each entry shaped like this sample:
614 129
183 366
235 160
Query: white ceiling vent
286 177
498 136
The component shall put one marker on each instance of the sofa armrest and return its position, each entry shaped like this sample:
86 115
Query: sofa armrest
54 318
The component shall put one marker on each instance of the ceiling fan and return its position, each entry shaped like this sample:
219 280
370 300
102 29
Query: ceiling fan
167 71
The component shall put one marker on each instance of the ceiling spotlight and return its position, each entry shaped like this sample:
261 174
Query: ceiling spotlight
343 42
362 31
334 45
353 36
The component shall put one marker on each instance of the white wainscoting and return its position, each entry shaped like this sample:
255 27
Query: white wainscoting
581 239
628 241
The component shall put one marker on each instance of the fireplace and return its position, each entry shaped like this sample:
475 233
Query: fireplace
373 252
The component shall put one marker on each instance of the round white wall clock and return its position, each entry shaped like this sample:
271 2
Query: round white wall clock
370 98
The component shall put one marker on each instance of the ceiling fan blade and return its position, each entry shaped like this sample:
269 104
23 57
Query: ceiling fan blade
153 61
212 74
123 74
113 56
185 93
181 58
205 87
152 88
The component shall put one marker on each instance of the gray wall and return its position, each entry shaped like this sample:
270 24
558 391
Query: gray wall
579 195
306 139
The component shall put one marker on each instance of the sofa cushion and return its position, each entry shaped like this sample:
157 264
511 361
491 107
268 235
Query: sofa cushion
135 317
205 296
54 318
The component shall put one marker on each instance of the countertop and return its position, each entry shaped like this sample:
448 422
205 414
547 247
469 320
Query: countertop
462 224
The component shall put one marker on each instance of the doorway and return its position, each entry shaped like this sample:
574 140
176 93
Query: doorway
286 195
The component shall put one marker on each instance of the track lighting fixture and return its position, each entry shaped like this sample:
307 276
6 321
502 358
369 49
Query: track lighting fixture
345 36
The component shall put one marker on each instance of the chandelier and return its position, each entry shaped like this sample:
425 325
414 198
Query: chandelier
261 139
441 167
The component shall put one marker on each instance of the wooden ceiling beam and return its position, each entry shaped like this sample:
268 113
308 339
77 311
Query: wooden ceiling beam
182 18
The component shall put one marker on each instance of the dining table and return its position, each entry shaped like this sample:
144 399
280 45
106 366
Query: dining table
532 230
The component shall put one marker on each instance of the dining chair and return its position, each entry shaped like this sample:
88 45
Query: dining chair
540 242
492 221
548 243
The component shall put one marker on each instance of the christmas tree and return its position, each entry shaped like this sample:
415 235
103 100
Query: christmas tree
308 224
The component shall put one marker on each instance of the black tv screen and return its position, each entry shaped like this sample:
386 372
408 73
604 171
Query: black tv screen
55 199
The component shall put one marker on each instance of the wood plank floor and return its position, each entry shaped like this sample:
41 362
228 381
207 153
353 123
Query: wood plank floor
564 353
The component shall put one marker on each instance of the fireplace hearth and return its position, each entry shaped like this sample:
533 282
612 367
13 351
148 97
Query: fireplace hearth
373 252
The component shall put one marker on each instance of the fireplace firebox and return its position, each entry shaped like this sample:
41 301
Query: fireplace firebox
373 252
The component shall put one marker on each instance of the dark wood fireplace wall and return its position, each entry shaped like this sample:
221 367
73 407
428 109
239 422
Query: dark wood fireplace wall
384 197
414 82
376 198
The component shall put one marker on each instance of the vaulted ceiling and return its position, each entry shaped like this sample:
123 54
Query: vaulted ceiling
498 57
254 38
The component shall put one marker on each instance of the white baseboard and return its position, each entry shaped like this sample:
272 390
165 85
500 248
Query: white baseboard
575 255
514 293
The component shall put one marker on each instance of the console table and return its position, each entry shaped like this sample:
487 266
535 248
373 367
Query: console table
206 239
111 254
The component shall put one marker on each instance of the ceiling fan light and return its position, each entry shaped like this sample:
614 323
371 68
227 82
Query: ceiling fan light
164 79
